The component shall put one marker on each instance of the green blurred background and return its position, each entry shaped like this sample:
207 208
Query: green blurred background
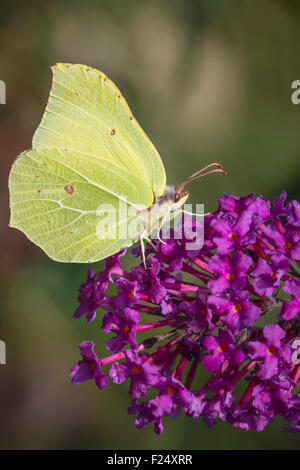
209 81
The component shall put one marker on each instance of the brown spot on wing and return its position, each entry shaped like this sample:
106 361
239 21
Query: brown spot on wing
69 189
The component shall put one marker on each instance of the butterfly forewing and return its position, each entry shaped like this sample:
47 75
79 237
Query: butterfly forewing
86 113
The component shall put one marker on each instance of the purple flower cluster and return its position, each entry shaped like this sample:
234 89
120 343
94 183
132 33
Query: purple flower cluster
230 309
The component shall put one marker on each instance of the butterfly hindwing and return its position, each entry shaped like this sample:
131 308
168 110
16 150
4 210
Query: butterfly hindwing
68 211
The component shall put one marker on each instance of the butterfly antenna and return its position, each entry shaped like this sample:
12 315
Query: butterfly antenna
207 170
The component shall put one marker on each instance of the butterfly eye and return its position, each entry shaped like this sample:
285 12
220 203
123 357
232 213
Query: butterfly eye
177 197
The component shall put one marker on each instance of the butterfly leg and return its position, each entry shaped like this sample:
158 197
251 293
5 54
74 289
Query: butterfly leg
143 250
144 236
158 230
195 213
165 218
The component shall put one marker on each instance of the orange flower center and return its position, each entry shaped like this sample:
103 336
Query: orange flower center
171 389
271 350
204 312
287 245
232 236
237 308
126 329
135 370
230 276
131 294
274 275
222 347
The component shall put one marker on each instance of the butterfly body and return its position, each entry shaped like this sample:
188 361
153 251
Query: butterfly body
161 212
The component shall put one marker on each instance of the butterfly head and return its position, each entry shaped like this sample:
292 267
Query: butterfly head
177 196
173 198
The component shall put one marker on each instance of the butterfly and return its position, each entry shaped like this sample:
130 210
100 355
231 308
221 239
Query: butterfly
92 183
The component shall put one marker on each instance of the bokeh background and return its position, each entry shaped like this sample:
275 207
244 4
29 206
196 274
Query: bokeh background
209 81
